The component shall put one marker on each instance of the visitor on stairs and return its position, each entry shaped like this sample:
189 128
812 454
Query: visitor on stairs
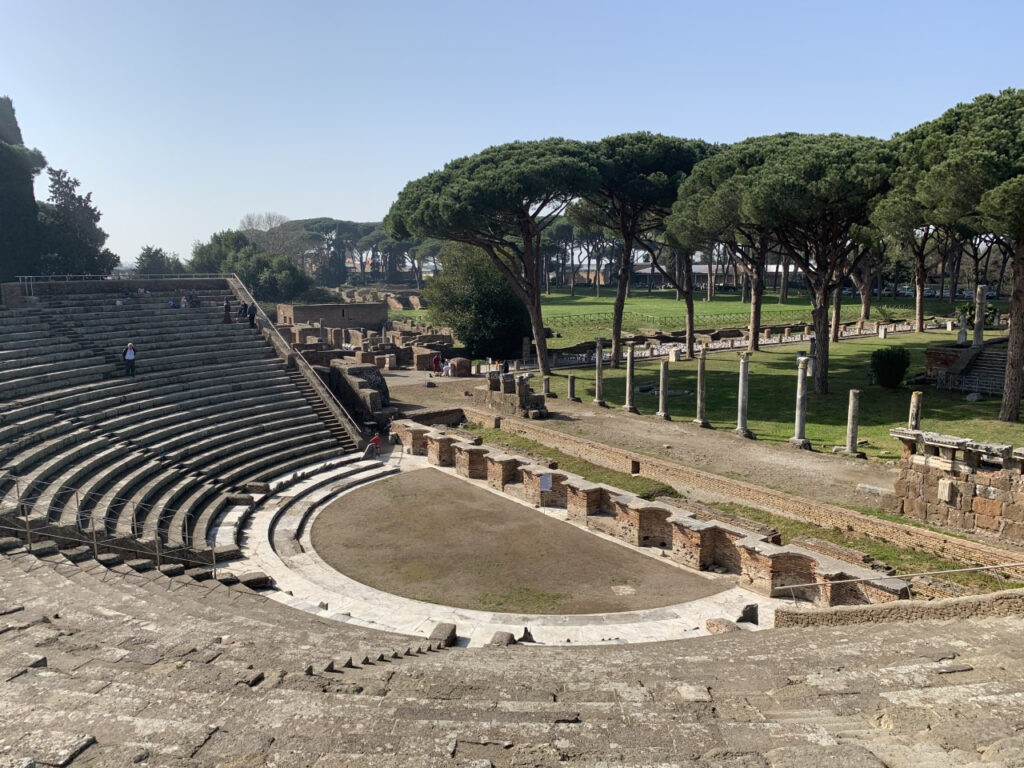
252 315
373 447
243 310
128 355
227 309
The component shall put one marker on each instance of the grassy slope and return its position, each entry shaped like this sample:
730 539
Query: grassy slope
772 396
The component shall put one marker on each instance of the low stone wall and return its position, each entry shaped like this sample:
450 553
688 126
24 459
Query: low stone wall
961 484
1008 603
763 566
819 513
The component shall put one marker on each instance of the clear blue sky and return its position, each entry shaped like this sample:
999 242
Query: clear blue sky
180 117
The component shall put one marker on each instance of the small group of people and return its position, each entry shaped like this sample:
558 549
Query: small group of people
442 367
244 311
190 301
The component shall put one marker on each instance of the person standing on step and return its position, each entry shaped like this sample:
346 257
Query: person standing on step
227 309
243 310
128 355
252 315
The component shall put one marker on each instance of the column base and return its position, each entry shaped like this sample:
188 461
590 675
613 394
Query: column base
663 415
552 395
744 432
702 423
844 451
575 400
800 442
630 409
601 403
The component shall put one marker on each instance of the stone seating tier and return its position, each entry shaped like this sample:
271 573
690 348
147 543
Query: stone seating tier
127 648
84 450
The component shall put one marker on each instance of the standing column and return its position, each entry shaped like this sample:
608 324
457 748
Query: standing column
702 418
572 389
526 350
663 392
741 398
629 407
799 439
547 386
979 315
914 419
598 382
851 425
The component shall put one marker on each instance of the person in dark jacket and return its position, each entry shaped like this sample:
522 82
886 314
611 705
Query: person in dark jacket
128 355
252 315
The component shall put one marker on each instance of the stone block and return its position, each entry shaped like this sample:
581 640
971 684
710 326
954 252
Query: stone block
986 507
445 634
720 626
503 638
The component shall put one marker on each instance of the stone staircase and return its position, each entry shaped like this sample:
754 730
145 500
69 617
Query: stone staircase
984 373
148 463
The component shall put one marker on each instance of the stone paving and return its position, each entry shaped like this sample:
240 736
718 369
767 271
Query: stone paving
105 667
306 582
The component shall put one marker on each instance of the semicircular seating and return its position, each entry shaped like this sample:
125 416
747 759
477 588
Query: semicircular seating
150 461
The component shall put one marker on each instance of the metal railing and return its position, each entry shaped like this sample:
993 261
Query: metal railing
285 351
901 577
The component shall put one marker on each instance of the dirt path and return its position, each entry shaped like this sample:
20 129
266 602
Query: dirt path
429 536
815 475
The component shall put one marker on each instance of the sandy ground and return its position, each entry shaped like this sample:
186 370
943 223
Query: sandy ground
815 475
429 536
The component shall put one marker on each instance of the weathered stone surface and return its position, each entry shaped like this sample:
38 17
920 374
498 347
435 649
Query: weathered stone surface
718 626
503 638
444 634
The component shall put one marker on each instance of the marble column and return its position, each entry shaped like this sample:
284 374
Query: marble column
979 315
741 398
799 439
663 392
851 425
914 419
598 381
572 389
629 407
702 418
547 386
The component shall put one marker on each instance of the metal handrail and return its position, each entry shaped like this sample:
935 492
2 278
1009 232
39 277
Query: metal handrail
285 351
902 576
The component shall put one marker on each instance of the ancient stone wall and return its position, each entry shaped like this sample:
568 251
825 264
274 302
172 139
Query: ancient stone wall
698 543
827 515
1008 603
335 315
961 484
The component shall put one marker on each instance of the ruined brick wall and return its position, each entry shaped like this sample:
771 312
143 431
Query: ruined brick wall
819 513
1007 603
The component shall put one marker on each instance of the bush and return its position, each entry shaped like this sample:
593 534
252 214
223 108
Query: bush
889 365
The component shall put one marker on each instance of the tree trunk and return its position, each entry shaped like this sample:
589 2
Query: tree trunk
625 260
863 281
596 266
920 275
1002 276
687 284
819 314
756 296
837 307
572 282
784 287
1009 410
539 341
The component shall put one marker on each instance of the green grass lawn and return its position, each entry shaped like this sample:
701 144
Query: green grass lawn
772 398
584 316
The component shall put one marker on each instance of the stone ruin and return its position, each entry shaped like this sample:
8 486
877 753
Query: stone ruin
685 536
510 395
961 484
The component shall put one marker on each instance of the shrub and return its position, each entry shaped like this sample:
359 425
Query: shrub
889 365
